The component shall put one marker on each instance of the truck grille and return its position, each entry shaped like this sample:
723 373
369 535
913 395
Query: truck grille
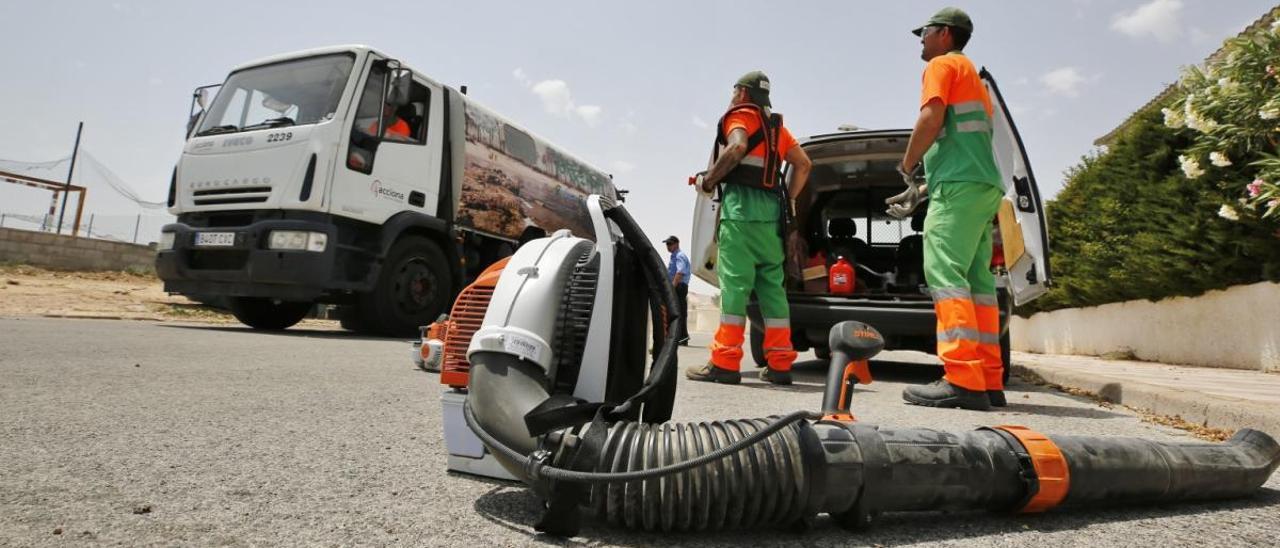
218 259
240 195
464 320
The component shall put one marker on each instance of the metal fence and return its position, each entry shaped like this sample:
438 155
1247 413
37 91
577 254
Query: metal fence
141 228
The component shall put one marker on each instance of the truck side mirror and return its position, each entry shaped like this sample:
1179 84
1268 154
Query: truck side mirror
398 93
202 98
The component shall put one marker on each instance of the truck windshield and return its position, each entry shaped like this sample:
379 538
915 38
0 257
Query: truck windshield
304 91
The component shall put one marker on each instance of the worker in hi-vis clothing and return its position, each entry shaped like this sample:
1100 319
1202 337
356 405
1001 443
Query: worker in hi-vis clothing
953 137
751 144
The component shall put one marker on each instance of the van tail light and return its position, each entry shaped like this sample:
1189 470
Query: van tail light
997 246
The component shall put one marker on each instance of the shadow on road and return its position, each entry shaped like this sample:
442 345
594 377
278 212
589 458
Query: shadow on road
517 509
292 332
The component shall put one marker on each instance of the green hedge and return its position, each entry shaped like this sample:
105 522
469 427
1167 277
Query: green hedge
1187 198
1130 225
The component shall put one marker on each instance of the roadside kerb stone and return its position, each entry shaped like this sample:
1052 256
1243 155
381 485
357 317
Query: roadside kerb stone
1210 410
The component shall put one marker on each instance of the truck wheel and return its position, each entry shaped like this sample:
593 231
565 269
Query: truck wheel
757 347
263 313
414 287
351 319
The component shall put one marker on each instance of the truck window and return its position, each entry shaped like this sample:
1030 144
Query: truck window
405 124
296 92
519 145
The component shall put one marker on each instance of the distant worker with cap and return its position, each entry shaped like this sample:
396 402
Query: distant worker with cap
678 272
952 136
751 144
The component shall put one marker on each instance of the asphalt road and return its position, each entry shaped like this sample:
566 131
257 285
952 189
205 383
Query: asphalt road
137 433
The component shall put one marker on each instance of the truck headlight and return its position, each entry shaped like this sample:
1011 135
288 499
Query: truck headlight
297 240
166 241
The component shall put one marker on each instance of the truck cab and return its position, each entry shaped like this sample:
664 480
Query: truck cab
841 213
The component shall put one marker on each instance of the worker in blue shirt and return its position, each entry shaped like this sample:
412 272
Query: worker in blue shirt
678 273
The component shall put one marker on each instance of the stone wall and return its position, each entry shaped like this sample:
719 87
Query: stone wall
1237 328
72 253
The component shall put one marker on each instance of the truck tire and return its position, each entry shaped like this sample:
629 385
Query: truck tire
414 287
267 314
351 318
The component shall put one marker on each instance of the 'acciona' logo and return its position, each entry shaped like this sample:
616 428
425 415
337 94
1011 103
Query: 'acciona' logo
386 192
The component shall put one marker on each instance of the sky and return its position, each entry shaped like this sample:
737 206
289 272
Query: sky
631 87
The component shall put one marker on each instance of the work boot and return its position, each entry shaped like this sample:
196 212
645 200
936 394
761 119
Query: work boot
997 398
708 372
941 393
782 378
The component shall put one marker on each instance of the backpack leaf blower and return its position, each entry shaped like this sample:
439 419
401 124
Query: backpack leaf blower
559 395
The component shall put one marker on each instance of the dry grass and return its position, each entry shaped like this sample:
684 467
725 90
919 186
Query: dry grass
1198 430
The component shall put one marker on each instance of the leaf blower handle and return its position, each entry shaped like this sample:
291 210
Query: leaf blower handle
851 343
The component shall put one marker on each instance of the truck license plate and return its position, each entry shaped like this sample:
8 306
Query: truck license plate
215 239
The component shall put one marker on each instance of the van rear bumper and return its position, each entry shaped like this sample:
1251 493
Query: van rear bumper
903 322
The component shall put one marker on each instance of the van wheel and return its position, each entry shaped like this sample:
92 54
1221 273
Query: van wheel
1006 306
823 353
414 287
1005 356
757 347
267 314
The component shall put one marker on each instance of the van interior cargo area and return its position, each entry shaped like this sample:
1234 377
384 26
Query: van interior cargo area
842 214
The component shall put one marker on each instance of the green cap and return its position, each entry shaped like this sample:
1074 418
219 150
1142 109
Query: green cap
951 17
757 85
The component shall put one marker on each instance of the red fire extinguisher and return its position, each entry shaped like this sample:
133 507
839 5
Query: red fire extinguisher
842 280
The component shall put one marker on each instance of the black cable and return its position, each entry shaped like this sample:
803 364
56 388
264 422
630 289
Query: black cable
561 474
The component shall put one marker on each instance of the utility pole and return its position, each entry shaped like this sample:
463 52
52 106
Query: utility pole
67 190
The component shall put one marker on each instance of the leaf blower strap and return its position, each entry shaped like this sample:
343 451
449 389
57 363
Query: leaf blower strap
762 172
1045 473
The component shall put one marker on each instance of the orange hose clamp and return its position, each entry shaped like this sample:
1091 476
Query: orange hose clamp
1050 466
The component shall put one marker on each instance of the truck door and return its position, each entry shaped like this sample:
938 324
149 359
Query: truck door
1022 221
390 158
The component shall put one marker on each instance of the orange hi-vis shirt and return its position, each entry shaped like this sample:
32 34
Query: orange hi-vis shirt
398 129
962 151
743 203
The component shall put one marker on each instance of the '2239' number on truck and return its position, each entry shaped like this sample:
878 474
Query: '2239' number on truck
279 137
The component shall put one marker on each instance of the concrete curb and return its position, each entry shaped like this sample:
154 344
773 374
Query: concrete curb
1208 410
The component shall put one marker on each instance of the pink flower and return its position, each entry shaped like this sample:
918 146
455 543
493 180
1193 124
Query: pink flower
1255 188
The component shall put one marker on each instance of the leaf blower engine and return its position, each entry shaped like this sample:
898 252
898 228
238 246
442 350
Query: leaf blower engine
565 395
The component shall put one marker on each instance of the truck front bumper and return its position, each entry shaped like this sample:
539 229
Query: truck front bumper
246 268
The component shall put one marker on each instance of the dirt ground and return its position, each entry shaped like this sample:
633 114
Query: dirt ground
34 291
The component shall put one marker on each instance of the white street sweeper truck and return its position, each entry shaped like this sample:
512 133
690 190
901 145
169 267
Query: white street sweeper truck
341 175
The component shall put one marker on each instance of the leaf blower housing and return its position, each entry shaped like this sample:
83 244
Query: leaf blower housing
616 456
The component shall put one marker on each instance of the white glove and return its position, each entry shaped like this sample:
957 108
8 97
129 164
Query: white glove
903 204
